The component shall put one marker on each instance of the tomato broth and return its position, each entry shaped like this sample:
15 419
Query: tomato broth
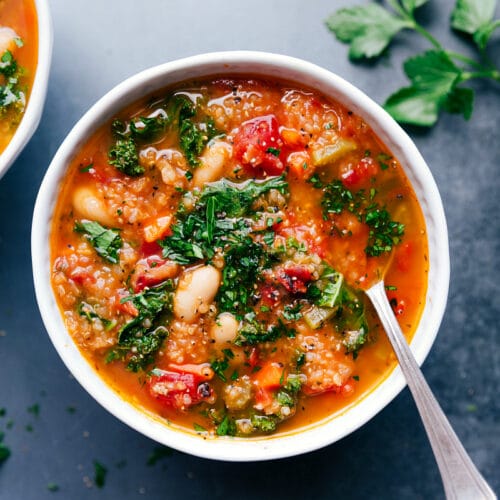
18 61
210 247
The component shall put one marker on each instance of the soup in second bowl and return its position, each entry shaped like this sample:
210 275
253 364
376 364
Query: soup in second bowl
18 60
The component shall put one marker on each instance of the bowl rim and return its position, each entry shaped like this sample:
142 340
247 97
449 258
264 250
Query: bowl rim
33 112
257 64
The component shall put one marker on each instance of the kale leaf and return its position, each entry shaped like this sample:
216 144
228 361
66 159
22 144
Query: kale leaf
193 135
140 338
253 332
125 157
106 242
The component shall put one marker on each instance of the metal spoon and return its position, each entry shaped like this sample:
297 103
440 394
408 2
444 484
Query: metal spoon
460 477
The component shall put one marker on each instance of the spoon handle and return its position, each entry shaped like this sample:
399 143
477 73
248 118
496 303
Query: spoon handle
460 477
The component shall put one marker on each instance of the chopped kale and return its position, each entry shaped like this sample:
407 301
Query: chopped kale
226 427
292 312
146 128
253 333
106 242
125 157
193 134
285 399
88 311
293 382
141 337
264 423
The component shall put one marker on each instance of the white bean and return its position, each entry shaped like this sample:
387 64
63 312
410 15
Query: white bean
88 204
195 292
7 39
212 163
225 329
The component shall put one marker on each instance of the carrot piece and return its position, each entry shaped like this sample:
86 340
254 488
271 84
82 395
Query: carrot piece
157 228
270 376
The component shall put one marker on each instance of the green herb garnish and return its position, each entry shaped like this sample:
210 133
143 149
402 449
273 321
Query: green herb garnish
100 472
106 242
437 75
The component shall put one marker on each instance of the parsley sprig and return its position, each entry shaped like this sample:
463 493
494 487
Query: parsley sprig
12 95
436 75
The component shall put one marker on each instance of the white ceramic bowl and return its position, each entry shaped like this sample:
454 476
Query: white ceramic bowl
304 74
33 111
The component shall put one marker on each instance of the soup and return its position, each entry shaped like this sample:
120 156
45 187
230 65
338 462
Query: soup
210 247
18 60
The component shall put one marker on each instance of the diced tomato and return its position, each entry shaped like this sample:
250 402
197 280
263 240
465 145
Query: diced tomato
258 145
263 398
270 376
81 275
126 307
152 271
299 163
157 228
343 390
151 248
253 357
178 390
202 370
294 278
270 295
398 305
403 256
293 138
356 174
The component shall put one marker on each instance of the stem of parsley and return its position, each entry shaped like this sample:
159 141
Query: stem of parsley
435 75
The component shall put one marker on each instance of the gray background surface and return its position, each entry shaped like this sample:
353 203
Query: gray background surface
96 45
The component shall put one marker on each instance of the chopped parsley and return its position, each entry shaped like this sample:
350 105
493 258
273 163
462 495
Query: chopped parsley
34 410
106 242
12 95
158 453
100 472
384 233
226 427
52 487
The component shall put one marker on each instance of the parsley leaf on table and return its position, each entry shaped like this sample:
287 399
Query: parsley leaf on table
434 77
368 28
436 74
476 18
411 5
